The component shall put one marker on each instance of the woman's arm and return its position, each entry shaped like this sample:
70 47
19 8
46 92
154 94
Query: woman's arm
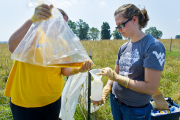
149 86
42 12
71 71
66 71
18 35
151 83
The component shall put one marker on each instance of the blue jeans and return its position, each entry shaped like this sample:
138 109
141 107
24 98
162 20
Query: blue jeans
124 112
48 112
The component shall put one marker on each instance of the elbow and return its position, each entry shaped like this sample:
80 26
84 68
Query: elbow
11 50
10 47
151 92
64 72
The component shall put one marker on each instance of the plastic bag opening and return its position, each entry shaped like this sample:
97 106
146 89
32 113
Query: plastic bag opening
51 43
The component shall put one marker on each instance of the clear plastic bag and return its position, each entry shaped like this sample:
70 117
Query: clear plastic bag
50 43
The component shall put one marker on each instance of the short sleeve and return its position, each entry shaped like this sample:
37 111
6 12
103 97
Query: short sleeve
155 56
118 57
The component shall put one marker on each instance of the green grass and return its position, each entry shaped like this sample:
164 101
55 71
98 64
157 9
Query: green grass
104 54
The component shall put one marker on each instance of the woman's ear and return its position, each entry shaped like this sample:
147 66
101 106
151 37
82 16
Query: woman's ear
135 20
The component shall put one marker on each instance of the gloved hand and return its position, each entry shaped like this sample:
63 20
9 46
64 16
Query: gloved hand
42 12
112 75
106 91
160 102
84 68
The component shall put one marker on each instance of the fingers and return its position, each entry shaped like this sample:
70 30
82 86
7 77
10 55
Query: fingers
100 74
83 66
104 71
98 103
42 11
45 6
45 12
86 66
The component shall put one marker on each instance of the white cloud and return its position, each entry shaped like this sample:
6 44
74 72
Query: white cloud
178 20
102 3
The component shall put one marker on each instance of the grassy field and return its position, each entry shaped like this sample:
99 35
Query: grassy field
104 54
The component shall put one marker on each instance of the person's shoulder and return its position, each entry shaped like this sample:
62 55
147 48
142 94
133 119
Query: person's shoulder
153 41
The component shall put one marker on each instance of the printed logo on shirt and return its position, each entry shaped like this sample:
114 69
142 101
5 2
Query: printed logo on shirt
160 57
126 61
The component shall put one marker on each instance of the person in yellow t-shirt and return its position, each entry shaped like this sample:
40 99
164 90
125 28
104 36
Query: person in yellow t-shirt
35 91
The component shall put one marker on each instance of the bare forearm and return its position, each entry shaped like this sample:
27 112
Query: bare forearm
71 71
149 85
142 87
18 35
110 83
66 71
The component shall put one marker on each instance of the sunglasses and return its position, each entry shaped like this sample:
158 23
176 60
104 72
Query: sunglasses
122 25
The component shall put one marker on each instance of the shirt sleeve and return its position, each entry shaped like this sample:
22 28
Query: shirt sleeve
118 56
155 56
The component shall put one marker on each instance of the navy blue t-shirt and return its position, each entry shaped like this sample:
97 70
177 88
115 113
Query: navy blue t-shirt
132 58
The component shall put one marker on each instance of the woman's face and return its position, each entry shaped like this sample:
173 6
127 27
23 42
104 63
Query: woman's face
125 25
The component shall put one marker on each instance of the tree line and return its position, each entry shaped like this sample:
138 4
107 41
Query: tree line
84 32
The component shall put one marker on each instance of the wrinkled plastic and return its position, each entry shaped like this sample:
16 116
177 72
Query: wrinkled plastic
50 43
71 93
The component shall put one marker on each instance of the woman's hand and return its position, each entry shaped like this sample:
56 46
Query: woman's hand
109 73
84 68
112 75
42 12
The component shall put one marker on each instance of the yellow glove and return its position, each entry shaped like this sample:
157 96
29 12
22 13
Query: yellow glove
84 68
112 75
160 102
106 91
42 12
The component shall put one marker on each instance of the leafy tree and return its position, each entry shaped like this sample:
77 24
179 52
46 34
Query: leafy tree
82 30
73 26
154 32
105 31
94 33
116 34
177 36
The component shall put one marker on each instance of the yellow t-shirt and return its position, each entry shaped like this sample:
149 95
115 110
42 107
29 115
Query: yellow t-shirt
34 86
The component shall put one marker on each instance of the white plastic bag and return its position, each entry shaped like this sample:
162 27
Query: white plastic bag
50 43
70 95
75 86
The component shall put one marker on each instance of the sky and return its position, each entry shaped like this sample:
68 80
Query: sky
163 14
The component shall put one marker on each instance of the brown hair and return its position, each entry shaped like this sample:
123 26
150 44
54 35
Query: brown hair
130 10
63 13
